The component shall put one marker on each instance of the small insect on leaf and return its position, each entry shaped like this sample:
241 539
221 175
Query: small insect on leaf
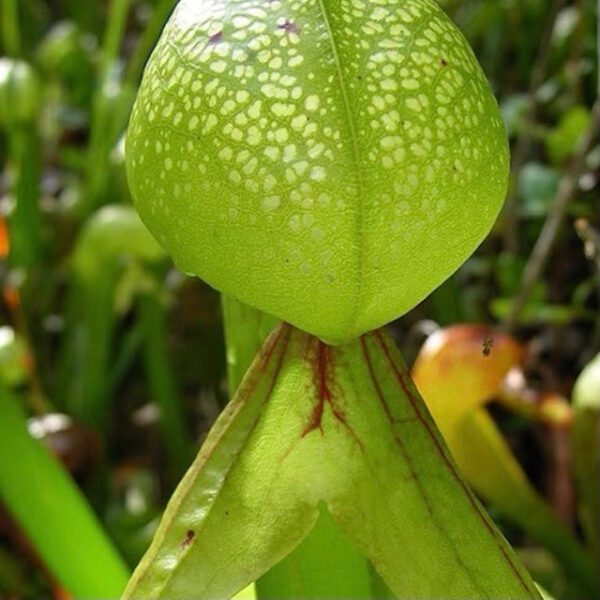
189 537
487 345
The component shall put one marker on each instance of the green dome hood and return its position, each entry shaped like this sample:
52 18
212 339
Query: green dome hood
327 161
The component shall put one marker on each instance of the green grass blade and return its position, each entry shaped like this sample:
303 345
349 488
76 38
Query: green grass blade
108 117
25 226
11 32
176 436
53 512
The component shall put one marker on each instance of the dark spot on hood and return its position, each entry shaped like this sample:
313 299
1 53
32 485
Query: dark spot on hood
216 37
189 538
289 26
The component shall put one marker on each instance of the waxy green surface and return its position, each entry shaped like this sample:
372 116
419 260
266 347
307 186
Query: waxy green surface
342 425
20 93
327 161
585 437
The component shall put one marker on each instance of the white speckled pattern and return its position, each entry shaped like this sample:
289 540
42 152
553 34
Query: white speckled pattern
328 161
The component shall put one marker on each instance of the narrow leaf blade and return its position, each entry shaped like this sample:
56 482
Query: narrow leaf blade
233 515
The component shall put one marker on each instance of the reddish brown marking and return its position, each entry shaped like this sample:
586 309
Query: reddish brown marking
401 376
289 26
392 419
216 37
322 361
189 538
282 330
267 352
322 385
386 408
443 62
322 355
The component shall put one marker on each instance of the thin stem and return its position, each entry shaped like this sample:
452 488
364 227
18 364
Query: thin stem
545 242
161 379
25 247
128 351
115 29
90 325
100 141
147 41
24 227
85 14
523 143
11 31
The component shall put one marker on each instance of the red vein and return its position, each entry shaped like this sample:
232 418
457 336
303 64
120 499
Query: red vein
413 472
324 371
323 393
401 376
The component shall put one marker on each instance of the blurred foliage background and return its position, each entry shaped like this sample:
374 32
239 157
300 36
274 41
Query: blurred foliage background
115 362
